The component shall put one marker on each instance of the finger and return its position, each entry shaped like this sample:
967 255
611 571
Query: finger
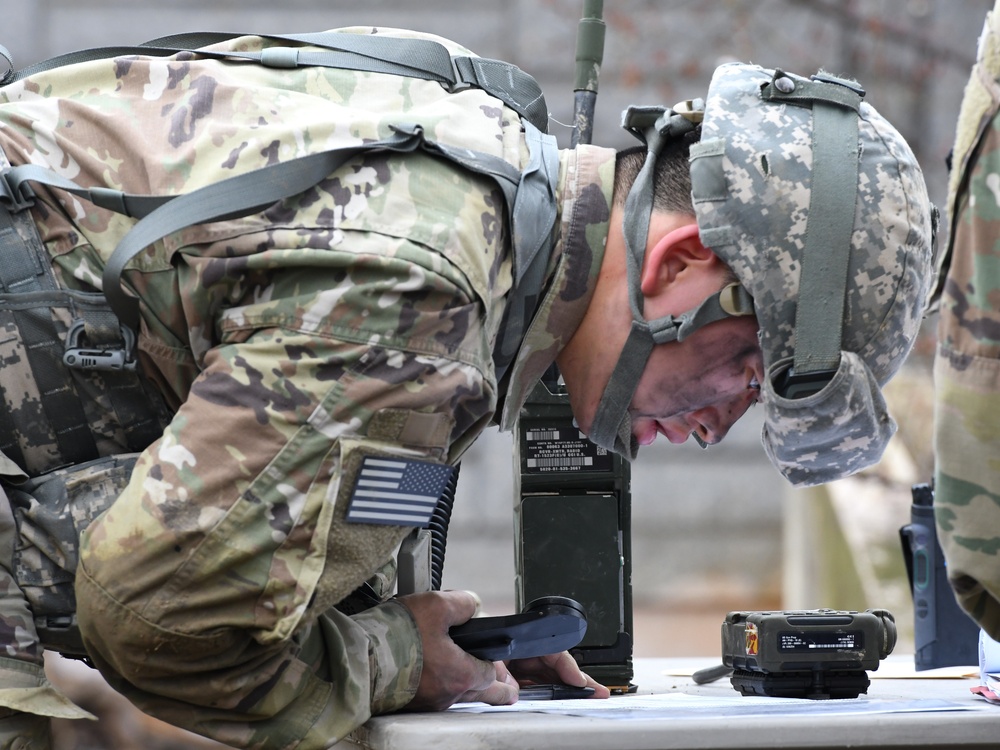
463 605
502 691
503 674
560 667
566 670
477 599
444 608
600 691
569 673
499 694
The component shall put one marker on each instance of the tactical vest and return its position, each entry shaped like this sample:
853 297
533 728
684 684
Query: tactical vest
71 388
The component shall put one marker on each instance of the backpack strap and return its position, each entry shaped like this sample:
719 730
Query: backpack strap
413 58
530 196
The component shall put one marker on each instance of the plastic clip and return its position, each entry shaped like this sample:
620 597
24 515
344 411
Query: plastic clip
16 195
93 358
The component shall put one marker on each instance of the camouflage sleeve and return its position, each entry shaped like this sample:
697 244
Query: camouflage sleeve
231 544
394 655
967 382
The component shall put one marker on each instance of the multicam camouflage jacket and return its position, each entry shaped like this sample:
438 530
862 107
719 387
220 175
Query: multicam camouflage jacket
967 366
355 319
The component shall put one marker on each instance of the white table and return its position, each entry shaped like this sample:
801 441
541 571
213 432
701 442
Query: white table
805 725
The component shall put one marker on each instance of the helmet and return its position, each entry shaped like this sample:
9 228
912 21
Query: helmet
819 207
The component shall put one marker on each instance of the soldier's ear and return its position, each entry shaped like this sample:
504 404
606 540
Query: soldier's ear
676 252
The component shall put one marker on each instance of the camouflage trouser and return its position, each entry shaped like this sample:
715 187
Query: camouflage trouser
40 524
24 691
967 369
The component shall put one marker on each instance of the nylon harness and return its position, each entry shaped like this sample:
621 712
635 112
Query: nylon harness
92 342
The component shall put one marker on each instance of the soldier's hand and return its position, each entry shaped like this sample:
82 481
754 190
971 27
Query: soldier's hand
451 675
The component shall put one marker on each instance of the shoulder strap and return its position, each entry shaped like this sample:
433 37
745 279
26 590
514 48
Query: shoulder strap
414 58
530 196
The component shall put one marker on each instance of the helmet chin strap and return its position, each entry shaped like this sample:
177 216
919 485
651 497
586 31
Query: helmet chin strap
612 425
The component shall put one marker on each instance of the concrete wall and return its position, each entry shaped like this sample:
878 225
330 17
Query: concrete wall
707 524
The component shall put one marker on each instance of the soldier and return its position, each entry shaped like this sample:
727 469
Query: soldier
967 441
770 244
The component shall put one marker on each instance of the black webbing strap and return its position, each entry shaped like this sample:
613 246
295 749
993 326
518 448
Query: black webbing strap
98 335
509 84
413 58
530 196
376 53
245 194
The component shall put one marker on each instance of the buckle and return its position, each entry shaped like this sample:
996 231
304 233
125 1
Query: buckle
638 118
792 385
11 71
15 194
652 123
692 110
464 74
107 359
736 301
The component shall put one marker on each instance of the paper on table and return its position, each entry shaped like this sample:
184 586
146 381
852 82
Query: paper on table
679 705
989 669
986 691
895 669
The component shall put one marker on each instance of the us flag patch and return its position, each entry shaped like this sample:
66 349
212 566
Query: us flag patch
397 492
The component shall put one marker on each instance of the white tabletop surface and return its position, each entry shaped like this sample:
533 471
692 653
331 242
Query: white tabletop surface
670 711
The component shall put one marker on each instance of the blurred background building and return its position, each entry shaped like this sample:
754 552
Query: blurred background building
713 530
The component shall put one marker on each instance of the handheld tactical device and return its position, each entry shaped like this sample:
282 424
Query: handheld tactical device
943 635
547 625
819 653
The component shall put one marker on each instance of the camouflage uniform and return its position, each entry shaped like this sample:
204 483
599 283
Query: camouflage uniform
353 320
967 366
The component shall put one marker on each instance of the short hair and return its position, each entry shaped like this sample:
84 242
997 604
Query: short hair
672 180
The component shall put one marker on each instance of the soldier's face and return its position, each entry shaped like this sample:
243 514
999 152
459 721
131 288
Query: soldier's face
699 386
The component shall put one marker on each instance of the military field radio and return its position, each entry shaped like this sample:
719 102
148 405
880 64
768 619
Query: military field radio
572 498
